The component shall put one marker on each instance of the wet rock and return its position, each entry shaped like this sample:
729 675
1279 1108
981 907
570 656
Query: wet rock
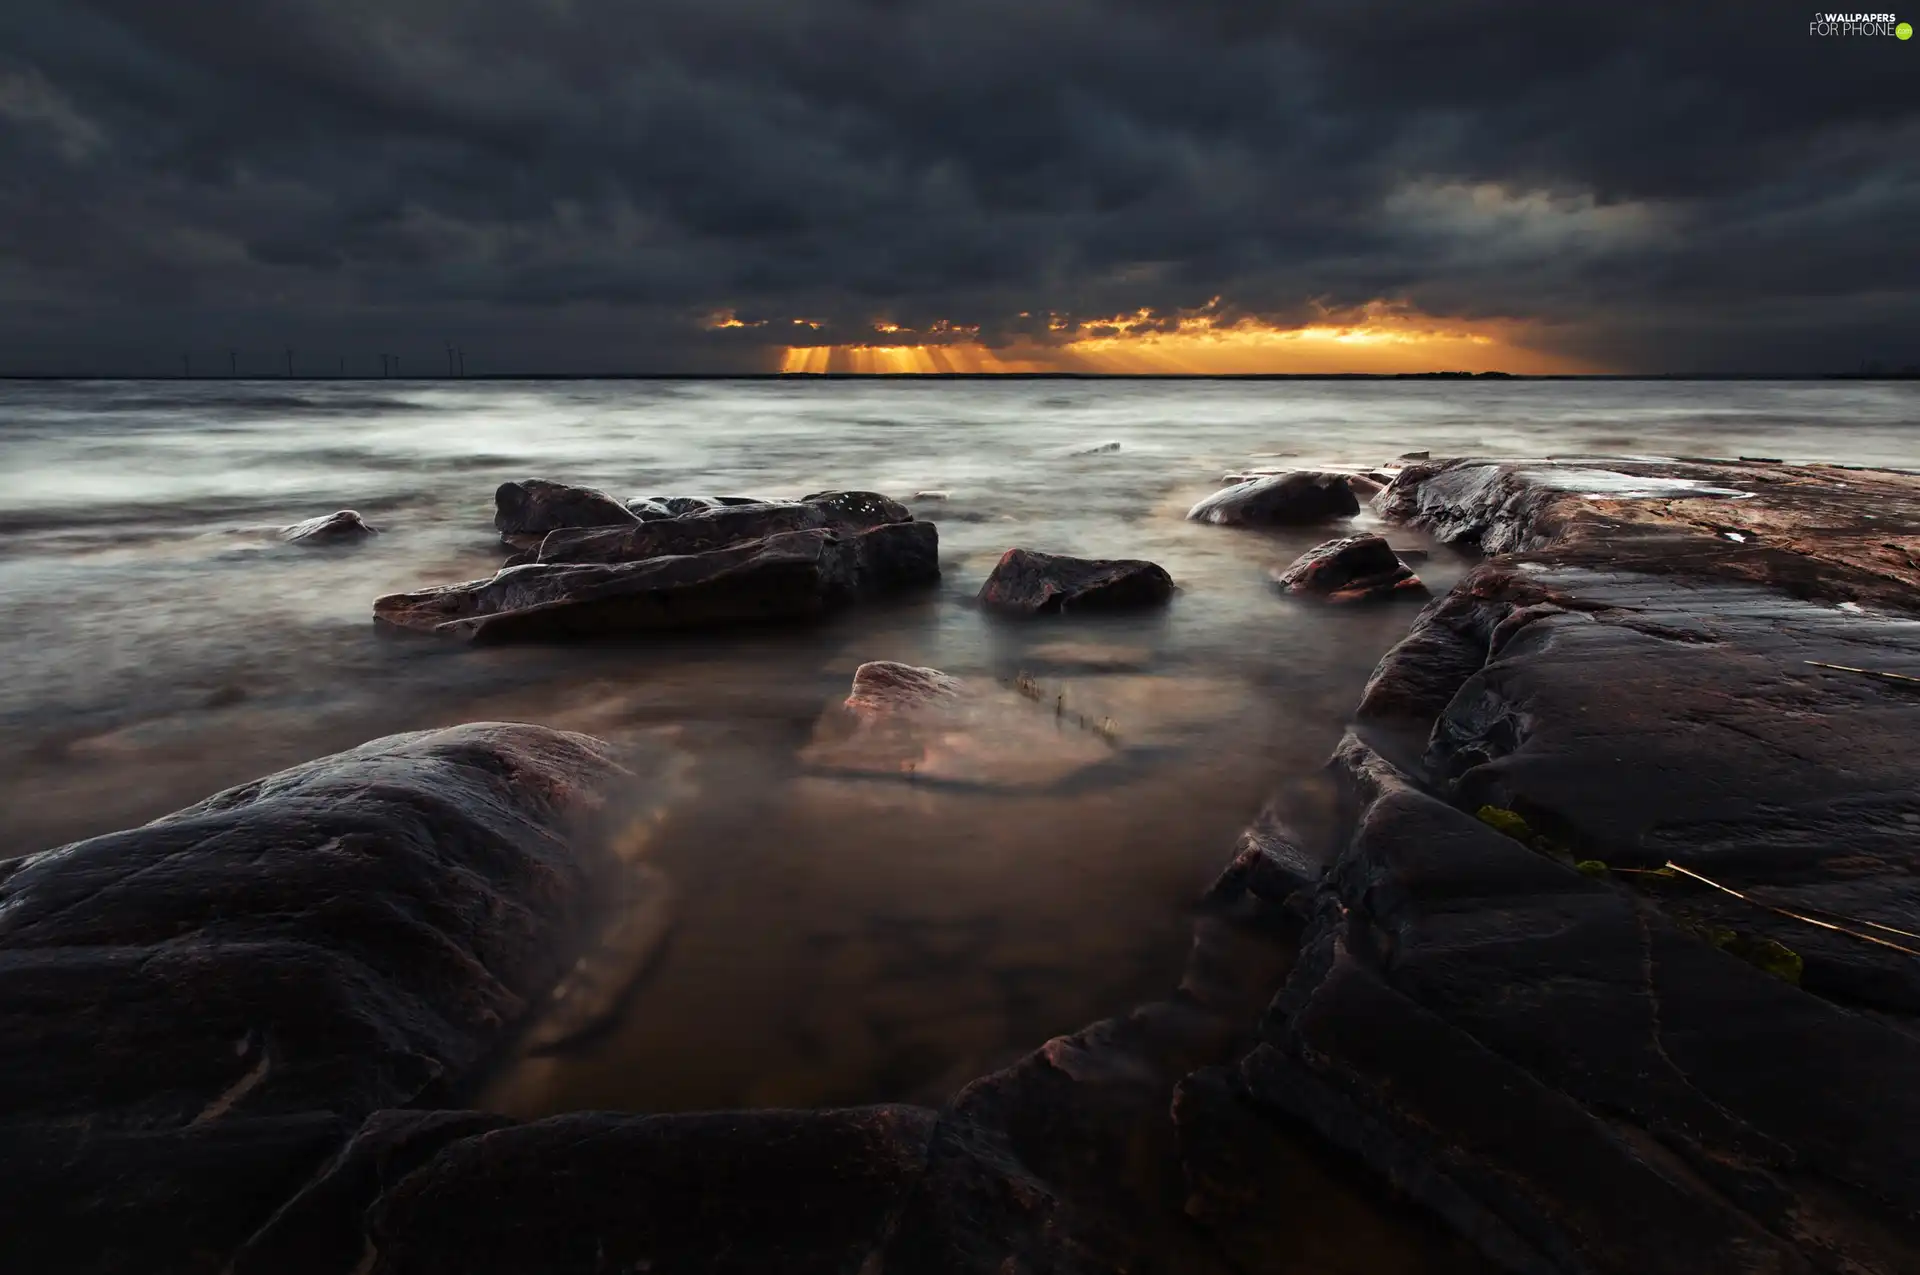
922 726
679 506
1422 455
737 1192
416 1192
303 942
649 509
1801 530
1098 449
524 512
1026 582
932 495
196 1012
134 1201
1300 498
782 577
1365 486
344 527
884 686
1352 569
1577 1057
720 527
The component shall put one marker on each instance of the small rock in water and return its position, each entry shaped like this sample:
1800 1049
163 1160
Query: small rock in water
1300 498
1026 582
883 686
344 527
932 495
1098 449
1349 570
524 512
1416 455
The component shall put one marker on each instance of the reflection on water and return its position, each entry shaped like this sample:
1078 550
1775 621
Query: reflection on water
845 927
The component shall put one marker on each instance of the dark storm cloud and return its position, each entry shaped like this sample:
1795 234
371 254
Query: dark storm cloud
575 184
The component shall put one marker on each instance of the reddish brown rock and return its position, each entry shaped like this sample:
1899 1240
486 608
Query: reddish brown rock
883 686
1354 569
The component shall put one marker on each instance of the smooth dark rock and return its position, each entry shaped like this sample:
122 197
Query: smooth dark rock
1353 569
1026 582
735 1193
340 936
782 577
525 511
1098 449
321 1228
344 527
195 1014
1506 1006
1300 498
86 1201
721 527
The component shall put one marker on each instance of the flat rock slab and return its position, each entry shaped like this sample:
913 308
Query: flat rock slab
1027 582
707 528
1812 531
1352 569
782 577
1300 498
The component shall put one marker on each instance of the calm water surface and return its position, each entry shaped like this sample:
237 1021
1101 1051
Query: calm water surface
836 939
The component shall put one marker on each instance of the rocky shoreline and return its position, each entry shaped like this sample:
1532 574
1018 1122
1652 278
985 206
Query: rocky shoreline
1609 968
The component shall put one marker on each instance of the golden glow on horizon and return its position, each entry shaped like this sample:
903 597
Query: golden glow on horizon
1381 338
882 360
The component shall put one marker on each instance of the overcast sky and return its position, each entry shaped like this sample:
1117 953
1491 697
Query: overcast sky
584 185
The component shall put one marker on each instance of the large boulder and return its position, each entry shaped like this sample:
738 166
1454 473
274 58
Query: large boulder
1301 498
1027 582
525 511
1351 569
339 936
720 526
344 527
195 1013
788 576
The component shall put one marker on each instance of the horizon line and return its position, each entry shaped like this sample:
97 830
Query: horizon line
281 377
